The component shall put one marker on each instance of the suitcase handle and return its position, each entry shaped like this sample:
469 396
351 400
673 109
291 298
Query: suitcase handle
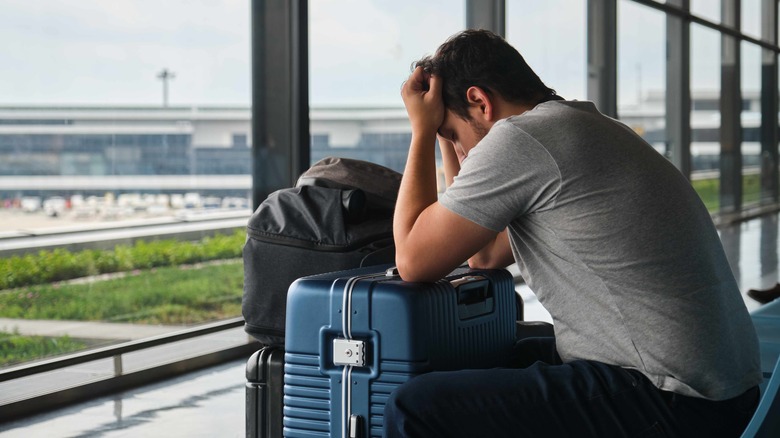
475 296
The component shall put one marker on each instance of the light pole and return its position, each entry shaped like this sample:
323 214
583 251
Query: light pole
165 75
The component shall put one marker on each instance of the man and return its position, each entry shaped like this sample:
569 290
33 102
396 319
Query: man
652 337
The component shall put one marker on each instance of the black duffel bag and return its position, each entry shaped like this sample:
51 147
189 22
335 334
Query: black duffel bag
339 216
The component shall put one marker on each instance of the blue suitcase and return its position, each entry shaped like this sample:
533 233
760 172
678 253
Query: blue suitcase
355 336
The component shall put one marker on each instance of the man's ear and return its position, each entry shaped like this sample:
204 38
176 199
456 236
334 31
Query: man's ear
480 103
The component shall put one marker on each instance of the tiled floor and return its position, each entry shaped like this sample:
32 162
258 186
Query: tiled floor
210 403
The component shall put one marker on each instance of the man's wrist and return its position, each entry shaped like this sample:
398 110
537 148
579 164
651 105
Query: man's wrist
424 134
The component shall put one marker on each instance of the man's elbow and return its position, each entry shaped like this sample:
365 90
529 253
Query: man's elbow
406 269
411 270
483 261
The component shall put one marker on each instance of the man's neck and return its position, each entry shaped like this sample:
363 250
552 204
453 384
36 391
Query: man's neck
506 109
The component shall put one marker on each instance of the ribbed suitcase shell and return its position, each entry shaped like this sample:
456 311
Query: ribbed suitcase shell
408 328
264 386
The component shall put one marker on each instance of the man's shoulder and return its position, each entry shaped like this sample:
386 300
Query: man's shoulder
558 117
555 108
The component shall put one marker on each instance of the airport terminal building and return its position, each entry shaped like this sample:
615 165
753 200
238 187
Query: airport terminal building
91 150
68 151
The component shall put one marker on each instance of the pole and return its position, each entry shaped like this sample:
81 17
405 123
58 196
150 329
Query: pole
165 75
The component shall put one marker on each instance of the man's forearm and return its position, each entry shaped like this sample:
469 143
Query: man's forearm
422 97
423 229
418 186
496 254
449 161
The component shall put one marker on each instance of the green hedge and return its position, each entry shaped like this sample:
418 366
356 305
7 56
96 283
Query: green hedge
61 264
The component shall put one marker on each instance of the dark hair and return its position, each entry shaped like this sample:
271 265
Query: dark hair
483 59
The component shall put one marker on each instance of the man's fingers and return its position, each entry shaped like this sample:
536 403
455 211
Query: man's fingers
434 84
415 83
420 79
418 74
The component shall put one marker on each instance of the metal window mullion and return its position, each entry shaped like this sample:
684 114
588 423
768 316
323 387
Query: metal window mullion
602 55
300 149
730 110
769 106
258 123
280 97
672 9
486 14
678 90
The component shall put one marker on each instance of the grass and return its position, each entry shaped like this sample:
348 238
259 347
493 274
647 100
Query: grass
169 295
15 348
709 191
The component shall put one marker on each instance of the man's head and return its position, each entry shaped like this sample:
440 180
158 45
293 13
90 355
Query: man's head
480 58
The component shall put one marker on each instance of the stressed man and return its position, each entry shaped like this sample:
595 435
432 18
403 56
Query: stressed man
652 337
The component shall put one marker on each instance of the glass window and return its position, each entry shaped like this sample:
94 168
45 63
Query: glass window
642 71
705 114
120 115
750 14
360 53
751 123
707 9
551 37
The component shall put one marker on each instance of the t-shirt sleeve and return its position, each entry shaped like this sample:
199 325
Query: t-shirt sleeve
507 175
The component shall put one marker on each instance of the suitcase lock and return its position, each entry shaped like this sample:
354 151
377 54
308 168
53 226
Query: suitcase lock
349 352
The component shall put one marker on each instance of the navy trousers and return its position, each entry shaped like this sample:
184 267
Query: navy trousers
539 396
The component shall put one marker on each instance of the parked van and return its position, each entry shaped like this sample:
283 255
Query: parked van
31 204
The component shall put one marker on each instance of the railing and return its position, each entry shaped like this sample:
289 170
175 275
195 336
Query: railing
116 351
40 401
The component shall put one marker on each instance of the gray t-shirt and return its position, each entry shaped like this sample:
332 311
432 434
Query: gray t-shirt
617 246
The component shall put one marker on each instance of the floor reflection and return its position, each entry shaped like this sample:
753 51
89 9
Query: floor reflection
207 403
768 247
752 250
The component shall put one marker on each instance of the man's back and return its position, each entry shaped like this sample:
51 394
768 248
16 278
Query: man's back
617 246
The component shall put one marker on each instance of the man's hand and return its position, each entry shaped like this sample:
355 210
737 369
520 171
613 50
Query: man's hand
421 94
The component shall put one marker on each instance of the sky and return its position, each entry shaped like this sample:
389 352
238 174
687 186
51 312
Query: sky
110 51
